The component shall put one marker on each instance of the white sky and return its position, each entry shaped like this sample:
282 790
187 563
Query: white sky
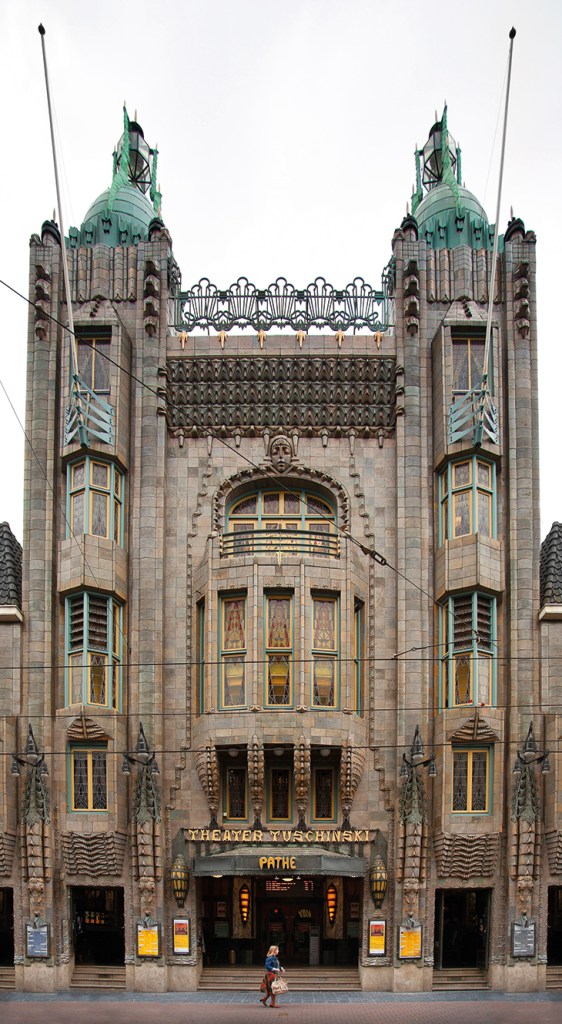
286 133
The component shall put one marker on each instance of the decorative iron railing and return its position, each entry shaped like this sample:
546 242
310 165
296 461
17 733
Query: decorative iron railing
88 416
470 416
279 543
282 305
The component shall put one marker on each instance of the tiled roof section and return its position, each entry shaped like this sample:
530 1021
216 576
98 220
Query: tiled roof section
551 566
10 567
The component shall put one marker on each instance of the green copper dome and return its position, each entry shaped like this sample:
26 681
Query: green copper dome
447 220
126 223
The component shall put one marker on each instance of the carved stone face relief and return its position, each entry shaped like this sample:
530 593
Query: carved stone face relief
281 453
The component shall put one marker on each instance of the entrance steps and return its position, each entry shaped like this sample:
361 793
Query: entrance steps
462 978
93 976
7 977
299 979
554 977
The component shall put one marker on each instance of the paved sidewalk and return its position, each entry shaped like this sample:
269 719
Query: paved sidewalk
296 1008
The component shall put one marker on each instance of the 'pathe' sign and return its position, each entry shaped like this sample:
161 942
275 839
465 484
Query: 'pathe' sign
275 835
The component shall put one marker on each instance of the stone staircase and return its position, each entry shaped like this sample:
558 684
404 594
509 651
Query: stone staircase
299 979
7 977
92 976
466 978
553 977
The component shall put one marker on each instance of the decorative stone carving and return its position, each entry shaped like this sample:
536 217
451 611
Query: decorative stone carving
86 729
256 778
281 453
7 846
99 854
42 300
249 476
521 297
554 849
412 834
525 823
302 778
207 765
243 395
351 770
466 856
36 826
411 297
475 730
151 297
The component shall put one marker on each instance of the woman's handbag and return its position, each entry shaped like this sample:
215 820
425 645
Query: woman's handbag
279 986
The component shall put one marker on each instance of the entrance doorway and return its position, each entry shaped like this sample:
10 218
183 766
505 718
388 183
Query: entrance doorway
99 926
461 928
554 933
6 927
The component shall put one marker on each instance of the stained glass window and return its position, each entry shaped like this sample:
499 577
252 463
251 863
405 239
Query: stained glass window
89 779
468 649
93 362
280 802
468 363
467 497
95 496
278 649
233 666
323 794
470 781
266 512
236 794
324 651
94 648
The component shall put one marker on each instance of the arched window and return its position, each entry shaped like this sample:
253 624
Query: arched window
293 521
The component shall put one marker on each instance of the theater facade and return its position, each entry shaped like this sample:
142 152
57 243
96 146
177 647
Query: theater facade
279 653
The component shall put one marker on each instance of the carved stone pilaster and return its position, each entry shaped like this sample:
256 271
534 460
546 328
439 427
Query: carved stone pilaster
302 778
351 770
256 777
207 765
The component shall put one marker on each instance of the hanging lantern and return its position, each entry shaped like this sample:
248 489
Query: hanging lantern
377 881
180 879
244 898
332 903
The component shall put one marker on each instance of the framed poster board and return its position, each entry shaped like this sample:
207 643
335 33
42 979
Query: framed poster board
182 936
523 939
377 938
410 942
37 940
148 939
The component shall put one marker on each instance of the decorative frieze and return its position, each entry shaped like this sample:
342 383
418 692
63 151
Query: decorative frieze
466 856
247 395
102 853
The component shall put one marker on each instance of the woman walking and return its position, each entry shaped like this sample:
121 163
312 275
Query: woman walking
272 970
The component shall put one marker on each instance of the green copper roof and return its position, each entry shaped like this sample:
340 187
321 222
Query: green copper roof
447 220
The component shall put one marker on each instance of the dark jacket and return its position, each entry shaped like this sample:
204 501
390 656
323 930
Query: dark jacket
272 964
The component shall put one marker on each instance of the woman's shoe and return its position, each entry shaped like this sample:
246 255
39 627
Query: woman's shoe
264 1000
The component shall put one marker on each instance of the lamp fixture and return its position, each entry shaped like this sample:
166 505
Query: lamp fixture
378 877
31 758
244 900
331 902
143 756
180 879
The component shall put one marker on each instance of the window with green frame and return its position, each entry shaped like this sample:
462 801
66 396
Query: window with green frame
292 521
357 658
93 363
235 804
233 651
200 657
325 651
88 778
324 795
278 649
279 794
94 646
468 360
471 780
467 491
95 499
468 633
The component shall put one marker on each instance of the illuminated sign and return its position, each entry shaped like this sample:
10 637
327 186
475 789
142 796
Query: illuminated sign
278 863
276 835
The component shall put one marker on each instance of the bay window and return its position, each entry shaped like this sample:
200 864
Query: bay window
233 651
467 639
94 645
325 651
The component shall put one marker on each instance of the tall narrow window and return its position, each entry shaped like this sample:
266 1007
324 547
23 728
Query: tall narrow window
468 361
200 657
467 637
233 653
357 694
325 651
279 794
94 630
466 495
471 781
93 362
236 794
88 778
279 649
95 499
323 794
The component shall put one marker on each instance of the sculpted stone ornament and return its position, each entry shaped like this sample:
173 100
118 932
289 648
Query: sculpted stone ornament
281 453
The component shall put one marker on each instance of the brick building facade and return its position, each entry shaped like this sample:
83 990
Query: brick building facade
282 665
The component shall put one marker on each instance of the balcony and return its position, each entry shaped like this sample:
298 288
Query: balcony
315 543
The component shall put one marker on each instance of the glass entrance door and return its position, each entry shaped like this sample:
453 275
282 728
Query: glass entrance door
6 927
98 926
461 928
554 935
